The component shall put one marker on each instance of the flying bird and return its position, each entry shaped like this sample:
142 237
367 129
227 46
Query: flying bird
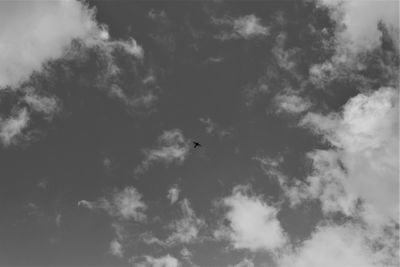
196 144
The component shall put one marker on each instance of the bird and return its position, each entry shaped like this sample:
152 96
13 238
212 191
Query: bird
196 144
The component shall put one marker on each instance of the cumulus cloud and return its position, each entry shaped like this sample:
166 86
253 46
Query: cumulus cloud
12 127
165 261
126 204
365 135
245 27
35 32
172 147
333 246
361 19
253 224
187 228
173 194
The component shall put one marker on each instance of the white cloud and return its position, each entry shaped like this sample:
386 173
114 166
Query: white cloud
125 204
187 228
291 104
332 246
12 127
365 136
165 261
173 194
361 19
249 26
38 31
34 32
244 263
253 223
245 27
172 148
116 248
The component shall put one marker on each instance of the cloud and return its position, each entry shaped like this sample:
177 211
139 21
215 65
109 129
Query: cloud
361 19
245 27
291 103
253 224
172 148
125 205
12 127
173 194
186 254
365 137
244 263
35 32
58 219
116 248
214 129
332 246
165 261
187 228
46 105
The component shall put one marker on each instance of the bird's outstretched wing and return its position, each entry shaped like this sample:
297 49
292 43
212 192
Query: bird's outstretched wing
196 144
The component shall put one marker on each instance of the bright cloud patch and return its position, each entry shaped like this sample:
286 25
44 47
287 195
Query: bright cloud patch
125 204
172 148
245 27
12 127
291 104
165 261
332 246
244 263
252 222
173 194
116 248
39 103
361 19
366 137
34 32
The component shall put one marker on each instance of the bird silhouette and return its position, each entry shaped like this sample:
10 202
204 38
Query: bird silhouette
196 144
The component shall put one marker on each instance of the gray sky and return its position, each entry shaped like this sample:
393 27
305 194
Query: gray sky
295 104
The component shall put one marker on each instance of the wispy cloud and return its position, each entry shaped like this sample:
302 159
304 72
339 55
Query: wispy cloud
172 147
213 128
245 27
12 127
150 261
291 104
125 204
187 228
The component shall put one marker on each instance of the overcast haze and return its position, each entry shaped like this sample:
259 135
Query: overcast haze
295 105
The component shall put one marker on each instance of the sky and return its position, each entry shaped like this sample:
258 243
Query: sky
295 105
